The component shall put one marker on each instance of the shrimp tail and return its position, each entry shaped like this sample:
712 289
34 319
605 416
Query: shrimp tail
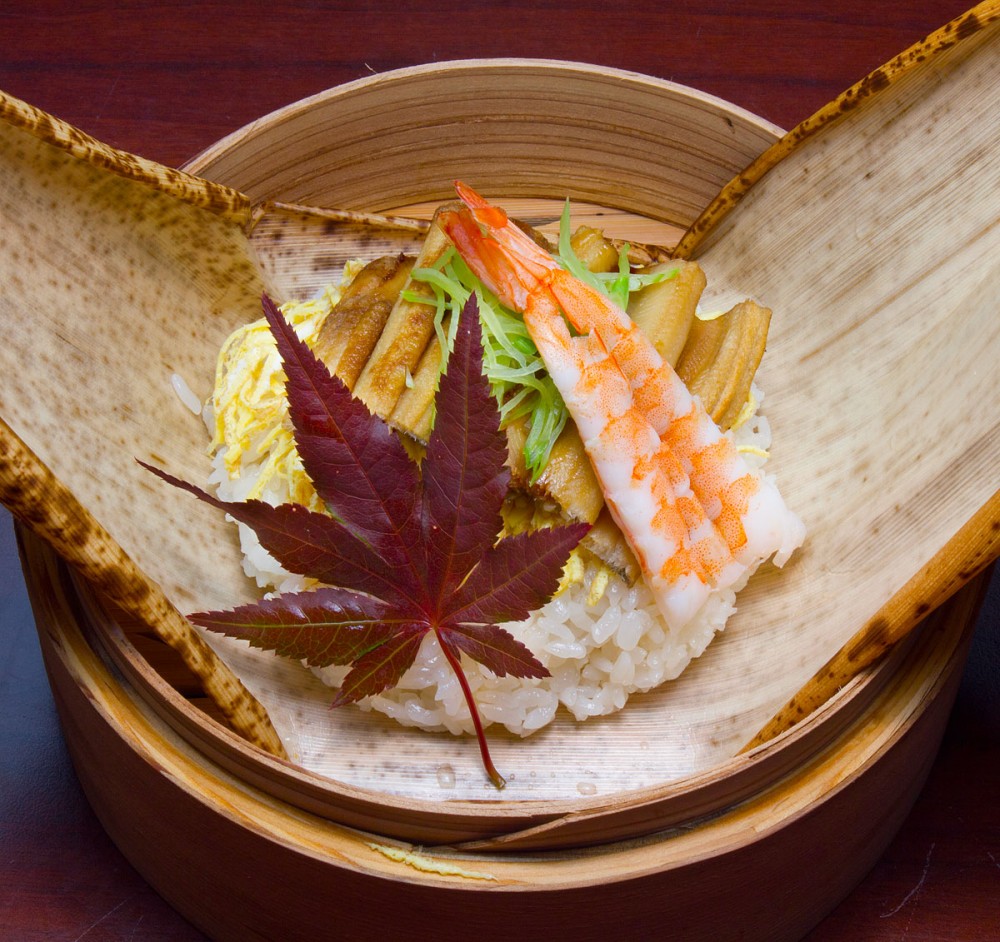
488 261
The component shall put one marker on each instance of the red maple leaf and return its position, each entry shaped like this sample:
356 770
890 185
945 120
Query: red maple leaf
405 551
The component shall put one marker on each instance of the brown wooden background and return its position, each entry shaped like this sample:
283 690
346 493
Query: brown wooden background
167 79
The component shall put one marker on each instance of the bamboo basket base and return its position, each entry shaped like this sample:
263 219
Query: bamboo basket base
244 865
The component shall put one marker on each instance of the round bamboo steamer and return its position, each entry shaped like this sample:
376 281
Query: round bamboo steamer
252 847
249 846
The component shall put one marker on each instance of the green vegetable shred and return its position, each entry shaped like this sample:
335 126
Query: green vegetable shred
513 366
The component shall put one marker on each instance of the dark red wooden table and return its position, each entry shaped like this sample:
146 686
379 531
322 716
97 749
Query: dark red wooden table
167 79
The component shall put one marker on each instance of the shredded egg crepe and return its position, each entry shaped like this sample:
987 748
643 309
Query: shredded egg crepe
249 411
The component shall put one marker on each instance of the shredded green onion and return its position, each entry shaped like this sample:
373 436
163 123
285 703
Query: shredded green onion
617 285
517 375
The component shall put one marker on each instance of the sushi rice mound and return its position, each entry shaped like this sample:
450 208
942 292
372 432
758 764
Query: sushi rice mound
601 639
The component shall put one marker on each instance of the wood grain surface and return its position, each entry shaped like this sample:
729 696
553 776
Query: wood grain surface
165 81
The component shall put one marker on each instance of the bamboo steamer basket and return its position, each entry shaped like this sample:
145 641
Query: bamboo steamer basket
264 839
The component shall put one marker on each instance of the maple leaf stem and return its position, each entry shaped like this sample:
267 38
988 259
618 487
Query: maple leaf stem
453 659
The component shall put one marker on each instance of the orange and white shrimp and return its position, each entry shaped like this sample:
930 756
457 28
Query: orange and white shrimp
698 518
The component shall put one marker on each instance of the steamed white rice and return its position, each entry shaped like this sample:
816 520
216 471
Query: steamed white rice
598 654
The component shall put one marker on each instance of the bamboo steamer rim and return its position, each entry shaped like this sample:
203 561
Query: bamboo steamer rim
491 66
559 76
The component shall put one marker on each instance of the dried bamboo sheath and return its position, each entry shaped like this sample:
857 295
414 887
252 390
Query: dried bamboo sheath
222 201
58 179
153 287
37 498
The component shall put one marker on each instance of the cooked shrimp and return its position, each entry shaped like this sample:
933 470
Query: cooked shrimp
697 517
